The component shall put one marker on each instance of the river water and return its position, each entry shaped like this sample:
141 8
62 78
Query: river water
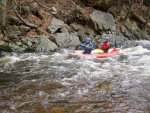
60 83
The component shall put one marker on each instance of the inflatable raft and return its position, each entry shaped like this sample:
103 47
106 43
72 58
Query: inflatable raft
112 53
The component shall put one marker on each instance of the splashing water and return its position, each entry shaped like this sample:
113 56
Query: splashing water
60 83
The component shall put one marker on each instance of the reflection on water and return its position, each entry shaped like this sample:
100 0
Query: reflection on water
60 83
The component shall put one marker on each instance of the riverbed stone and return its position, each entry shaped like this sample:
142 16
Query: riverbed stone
102 21
45 45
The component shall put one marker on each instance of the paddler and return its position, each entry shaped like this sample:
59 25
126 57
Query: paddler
105 45
87 46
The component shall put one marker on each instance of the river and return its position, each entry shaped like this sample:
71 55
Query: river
60 83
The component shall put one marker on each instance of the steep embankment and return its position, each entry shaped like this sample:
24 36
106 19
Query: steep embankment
38 25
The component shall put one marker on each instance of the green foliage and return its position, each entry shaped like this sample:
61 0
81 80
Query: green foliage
2 6
143 33
40 32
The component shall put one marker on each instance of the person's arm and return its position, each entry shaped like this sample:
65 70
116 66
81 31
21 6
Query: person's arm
91 46
104 46
101 47
83 45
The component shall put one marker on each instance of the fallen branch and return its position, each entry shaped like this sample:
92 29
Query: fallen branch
25 22
139 18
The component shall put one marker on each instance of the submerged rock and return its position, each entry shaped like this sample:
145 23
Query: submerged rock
143 43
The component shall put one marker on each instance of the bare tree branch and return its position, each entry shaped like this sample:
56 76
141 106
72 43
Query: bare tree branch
25 22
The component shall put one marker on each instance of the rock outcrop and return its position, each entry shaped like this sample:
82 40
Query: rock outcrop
102 21
55 25
45 45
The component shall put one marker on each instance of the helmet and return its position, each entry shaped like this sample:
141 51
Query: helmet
89 39
107 38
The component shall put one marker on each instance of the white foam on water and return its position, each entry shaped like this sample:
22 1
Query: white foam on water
34 80
134 50
82 91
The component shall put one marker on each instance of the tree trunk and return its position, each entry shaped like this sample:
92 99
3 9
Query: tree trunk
140 19
3 4
148 15
130 10
118 6
141 6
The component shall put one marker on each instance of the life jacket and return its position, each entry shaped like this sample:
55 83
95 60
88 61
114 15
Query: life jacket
88 51
105 46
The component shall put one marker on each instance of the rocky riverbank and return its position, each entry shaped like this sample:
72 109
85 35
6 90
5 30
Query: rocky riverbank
66 28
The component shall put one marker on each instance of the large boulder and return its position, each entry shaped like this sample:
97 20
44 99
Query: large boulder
56 25
118 41
45 45
102 21
66 40
83 31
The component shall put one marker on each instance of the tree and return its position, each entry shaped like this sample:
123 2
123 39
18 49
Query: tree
118 6
148 15
141 6
3 4
130 10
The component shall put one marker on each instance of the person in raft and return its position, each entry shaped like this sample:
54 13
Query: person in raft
105 45
87 46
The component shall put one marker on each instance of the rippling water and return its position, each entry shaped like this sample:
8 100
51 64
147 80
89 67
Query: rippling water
60 83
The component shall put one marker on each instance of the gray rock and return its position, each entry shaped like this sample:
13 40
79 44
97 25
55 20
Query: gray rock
118 41
27 42
53 10
2 42
97 41
102 21
64 30
45 45
4 46
17 48
55 25
75 27
66 40
83 31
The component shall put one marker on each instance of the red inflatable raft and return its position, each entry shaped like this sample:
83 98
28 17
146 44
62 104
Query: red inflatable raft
112 53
